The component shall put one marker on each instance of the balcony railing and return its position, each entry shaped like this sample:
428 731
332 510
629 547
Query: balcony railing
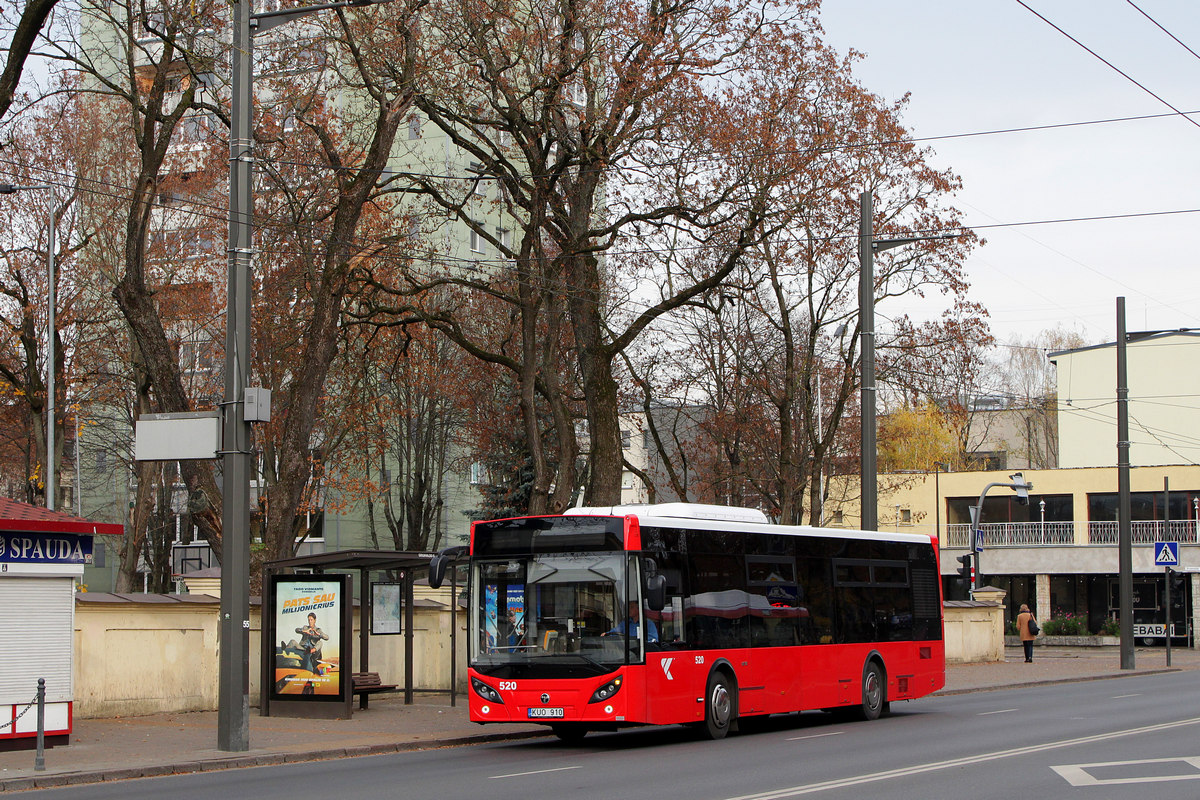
1037 534
1145 532
1013 534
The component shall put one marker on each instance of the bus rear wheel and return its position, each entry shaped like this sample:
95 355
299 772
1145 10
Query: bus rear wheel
718 706
873 691
569 732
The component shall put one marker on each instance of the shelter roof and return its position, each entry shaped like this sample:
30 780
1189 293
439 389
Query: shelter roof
356 559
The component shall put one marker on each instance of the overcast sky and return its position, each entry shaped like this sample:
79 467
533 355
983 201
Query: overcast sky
980 65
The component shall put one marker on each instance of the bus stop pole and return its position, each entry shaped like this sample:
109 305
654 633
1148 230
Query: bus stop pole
1167 570
408 636
453 635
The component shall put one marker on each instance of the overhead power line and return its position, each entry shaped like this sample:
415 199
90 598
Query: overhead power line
1112 66
1161 28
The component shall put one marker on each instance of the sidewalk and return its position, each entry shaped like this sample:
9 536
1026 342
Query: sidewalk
162 744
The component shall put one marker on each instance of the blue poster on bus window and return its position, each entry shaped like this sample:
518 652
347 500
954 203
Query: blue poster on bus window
491 625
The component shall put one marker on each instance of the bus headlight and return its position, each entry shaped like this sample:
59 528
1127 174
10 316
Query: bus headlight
485 691
606 691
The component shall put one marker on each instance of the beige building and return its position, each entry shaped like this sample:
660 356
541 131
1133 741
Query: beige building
1058 552
1164 401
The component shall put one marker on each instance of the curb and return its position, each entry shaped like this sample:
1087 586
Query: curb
53 780
1052 682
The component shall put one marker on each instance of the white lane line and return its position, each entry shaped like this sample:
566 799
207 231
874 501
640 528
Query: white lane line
1078 775
1123 696
841 783
534 772
1001 711
815 736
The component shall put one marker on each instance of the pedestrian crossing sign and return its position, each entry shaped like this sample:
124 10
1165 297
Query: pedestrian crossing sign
1166 554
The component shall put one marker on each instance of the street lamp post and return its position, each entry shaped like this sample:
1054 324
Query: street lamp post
868 246
1042 528
1021 487
51 483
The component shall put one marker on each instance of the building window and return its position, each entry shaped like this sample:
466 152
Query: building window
838 518
477 242
478 474
626 440
414 127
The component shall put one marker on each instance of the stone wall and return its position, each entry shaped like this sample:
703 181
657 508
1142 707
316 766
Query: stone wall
139 654
974 631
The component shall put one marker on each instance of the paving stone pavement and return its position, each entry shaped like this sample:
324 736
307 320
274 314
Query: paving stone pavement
163 744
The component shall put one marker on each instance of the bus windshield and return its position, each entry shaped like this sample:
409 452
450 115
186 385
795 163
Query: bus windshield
568 610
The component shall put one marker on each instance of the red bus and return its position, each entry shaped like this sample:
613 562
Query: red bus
702 615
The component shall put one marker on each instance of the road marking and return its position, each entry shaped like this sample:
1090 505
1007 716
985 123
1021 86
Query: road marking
1002 711
841 783
1123 696
1077 774
815 736
534 772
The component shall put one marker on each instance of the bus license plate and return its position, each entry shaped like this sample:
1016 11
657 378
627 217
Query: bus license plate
545 713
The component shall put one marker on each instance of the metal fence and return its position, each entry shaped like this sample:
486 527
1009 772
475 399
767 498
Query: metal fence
1145 532
1013 534
1035 534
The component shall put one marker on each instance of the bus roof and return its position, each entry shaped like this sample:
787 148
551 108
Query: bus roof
750 520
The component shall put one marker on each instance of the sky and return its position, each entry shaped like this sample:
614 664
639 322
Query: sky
984 65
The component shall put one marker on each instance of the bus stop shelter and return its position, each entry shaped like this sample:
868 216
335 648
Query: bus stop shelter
406 564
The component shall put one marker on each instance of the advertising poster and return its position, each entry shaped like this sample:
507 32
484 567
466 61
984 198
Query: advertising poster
504 628
491 630
308 634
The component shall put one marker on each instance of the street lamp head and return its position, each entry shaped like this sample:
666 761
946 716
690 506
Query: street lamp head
7 188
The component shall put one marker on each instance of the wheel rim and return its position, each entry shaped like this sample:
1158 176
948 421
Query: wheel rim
872 690
720 705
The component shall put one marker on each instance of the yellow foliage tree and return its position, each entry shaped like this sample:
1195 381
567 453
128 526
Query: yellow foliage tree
913 439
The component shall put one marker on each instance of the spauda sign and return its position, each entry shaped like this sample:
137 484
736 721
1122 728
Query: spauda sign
45 548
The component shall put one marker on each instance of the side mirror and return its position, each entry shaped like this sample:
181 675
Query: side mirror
439 563
656 592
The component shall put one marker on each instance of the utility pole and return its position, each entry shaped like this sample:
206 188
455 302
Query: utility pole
868 483
868 246
1124 525
233 694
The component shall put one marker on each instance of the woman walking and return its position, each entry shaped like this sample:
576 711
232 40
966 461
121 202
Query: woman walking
1027 637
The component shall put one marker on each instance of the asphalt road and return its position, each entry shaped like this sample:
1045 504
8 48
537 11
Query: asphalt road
1135 737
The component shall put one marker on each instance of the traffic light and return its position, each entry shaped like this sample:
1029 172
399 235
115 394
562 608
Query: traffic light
966 572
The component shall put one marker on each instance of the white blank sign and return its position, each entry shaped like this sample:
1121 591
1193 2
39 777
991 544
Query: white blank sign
175 437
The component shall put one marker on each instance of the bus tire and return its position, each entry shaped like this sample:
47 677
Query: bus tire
720 707
569 732
874 692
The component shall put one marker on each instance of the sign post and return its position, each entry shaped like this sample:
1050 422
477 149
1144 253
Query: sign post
1167 554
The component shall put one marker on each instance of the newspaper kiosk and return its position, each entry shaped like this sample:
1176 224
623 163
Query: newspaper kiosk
42 554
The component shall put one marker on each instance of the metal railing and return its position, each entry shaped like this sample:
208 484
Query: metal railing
1145 532
1037 534
1013 534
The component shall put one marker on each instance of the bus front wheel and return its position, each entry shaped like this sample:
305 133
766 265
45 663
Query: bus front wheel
873 691
718 706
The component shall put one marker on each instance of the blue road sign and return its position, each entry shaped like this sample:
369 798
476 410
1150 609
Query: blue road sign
1166 554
